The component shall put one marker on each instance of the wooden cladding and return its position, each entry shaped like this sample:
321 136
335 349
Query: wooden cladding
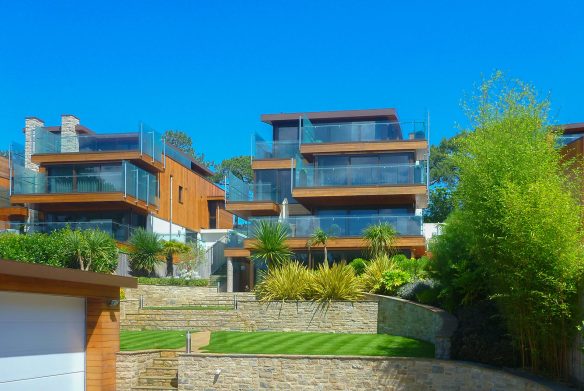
224 219
102 343
253 208
362 147
193 212
76 198
273 164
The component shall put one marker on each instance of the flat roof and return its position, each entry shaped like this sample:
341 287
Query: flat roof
573 128
358 115
36 270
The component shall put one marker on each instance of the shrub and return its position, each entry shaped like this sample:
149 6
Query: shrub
358 265
34 248
416 267
289 281
337 282
92 250
146 253
424 291
172 281
372 277
393 279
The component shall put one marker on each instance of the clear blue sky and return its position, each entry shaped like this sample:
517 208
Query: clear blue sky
211 68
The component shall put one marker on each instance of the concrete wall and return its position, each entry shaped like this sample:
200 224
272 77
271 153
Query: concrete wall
251 315
307 373
130 364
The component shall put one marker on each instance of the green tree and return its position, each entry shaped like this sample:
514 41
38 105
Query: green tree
519 220
443 169
147 251
270 244
380 239
320 238
91 250
440 205
184 142
240 166
171 248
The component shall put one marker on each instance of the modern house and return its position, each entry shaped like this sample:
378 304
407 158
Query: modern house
70 175
340 171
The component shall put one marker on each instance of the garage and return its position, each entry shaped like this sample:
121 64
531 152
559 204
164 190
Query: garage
59 328
42 342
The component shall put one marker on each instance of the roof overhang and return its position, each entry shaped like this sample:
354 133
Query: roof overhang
341 115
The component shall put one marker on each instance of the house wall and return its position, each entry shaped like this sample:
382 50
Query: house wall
193 213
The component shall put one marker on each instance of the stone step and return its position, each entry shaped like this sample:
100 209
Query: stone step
160 371
154 388
164 381
168 362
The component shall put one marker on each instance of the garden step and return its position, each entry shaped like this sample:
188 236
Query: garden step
160 371
165 381
166 362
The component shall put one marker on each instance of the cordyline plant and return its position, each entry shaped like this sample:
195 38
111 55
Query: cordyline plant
270 243
516 233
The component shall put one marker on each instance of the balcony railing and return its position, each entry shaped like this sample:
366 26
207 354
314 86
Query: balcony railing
274 149
146 141
120 232
361 175
566 139
353 132
240 191
337 226
130 180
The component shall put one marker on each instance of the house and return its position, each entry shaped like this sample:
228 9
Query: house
572 143
59 328
340 171
71 175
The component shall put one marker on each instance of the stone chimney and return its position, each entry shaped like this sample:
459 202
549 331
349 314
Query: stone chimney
30 124
69 141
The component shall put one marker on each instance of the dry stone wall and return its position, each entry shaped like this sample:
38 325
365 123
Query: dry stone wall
213 372
129 365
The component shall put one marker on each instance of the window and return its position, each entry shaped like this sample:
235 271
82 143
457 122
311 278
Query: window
180 194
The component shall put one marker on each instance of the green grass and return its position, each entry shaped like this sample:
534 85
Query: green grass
152 339
317 344
193 307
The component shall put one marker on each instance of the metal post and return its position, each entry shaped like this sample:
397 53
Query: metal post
291 174
164 151
188 341
10 184
218 286
153 147
141 301
125 180
147 191
141 139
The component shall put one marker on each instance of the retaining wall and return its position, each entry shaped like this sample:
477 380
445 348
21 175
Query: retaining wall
130 364
307 373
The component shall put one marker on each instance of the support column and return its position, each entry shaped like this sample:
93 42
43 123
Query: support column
251 275
229 274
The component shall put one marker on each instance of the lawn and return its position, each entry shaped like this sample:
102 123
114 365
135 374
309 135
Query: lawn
193 307
317 344
152 339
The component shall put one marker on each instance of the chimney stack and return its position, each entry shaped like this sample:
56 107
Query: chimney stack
69 141
30 124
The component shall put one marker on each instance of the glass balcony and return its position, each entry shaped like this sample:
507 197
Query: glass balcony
130 180
361 175
146 141
274 149
354 132
566 139
120 232
337 226
240 191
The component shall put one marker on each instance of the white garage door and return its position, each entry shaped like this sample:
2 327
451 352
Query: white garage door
42 342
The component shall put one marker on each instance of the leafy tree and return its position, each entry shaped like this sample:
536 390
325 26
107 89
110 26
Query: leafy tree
184 142
443 169
319 237
147 251
270 244
380 239
440 205
240 166
518 221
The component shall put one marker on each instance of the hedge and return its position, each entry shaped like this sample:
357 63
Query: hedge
172 281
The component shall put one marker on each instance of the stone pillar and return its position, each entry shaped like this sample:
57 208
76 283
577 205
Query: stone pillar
229 274
69 141
30 124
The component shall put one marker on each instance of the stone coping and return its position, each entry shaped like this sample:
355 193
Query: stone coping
399 299
137 352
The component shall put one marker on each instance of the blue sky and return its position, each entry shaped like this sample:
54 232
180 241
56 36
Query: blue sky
211 68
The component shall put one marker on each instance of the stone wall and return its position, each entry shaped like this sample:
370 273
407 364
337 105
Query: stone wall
307 373
408 319
252 315
129 365
162 295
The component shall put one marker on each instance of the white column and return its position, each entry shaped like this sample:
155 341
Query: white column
229 274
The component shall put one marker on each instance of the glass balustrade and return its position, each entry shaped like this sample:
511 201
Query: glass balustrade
361 175
120 232
130 180
338 226
566 139
353 132
240 191
274 149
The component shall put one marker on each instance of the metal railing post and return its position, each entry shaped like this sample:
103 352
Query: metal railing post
141 139
188 342
141 301
125 180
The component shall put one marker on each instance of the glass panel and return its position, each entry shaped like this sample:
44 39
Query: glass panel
283 149
361 131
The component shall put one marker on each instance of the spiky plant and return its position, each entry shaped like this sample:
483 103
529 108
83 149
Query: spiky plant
380 239
337 282
289 281
146 253
170 249
372 277
270 244
320 237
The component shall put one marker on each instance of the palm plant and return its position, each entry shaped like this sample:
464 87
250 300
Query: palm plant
91 250
170 249
320 237
270 243
380 239
147 251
